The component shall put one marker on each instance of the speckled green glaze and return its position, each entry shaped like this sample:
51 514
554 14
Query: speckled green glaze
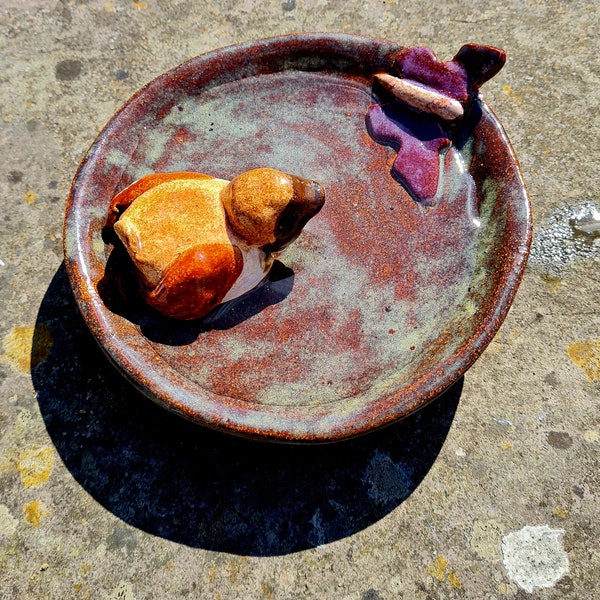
383 304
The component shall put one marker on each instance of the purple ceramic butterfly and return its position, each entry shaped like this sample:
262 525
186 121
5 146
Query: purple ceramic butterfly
430 98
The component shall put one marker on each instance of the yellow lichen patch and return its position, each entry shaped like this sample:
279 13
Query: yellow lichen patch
34 512
560 513
267 590
439 570
233 568
140 5
513 334
512 94
30 197
506 445
453 579
83 591
25 347
507 589
35 466
587 356
554 284
494 348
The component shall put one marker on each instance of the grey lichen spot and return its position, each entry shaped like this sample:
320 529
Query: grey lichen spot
120 75
370 595
122 538
534 557
68 70
571 232
578 491
288 5
559 439
32 125
15 177
388 481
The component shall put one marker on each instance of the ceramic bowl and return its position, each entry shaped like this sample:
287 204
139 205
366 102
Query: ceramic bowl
378 307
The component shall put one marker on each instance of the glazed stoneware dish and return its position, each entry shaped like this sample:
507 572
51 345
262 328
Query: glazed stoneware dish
391 291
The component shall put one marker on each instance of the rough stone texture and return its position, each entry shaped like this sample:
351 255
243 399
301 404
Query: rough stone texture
103 495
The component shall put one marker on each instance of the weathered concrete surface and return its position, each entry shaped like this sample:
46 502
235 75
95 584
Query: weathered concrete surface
103 495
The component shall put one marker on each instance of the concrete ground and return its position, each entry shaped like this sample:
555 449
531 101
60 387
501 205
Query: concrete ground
491 492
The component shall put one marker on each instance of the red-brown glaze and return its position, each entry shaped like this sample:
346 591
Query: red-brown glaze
197 281
173 148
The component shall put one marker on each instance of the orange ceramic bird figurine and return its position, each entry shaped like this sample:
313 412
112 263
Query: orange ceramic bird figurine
197 241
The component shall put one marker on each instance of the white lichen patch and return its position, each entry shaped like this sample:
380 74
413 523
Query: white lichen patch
534 557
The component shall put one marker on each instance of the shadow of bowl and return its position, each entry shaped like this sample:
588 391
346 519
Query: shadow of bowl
205 489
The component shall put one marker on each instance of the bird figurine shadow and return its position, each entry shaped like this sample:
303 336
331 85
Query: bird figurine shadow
121 294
